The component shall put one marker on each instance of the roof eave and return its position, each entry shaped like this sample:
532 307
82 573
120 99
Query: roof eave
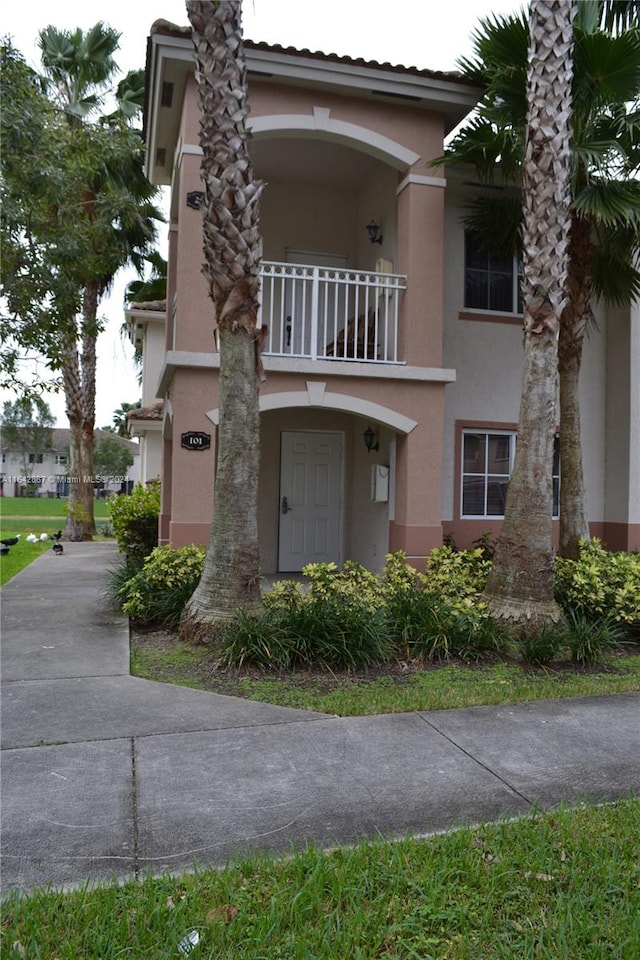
170 60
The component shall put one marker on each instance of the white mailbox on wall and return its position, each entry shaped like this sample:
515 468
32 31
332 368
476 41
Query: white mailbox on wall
379 483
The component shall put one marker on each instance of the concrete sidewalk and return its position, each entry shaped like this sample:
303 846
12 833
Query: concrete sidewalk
106 775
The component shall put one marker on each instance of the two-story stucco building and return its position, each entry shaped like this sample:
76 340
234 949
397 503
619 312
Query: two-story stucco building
392 346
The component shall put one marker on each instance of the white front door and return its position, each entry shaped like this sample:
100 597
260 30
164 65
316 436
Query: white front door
310 499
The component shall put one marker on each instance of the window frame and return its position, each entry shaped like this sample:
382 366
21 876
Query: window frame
516 278
497 431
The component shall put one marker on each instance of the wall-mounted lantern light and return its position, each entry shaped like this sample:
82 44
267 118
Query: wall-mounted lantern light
195 199
373 230
371 440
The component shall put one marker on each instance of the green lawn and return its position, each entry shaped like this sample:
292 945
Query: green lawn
25 515
41 507
558 886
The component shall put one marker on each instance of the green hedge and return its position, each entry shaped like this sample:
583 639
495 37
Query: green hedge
353 618
158 592
134 518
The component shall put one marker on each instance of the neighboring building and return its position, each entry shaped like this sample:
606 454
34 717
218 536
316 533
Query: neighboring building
392 347
146 324
43 473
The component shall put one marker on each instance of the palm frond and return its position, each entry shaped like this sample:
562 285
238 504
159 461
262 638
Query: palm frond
606 69
610 203
496 221
494 151
618 15
617 281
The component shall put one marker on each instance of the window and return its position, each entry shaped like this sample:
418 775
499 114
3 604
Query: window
36 457
491 281
487 462
61 459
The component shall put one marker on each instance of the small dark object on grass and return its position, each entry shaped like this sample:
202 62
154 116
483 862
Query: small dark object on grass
10 541
56 536
3 550
58 549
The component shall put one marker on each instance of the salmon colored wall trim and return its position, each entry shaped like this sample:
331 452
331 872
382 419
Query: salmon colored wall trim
621 536
416 542
184 534
164 522
614 536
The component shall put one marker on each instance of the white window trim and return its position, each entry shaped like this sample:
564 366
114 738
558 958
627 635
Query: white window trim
487 432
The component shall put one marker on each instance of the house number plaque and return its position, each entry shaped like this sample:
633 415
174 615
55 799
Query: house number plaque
195 440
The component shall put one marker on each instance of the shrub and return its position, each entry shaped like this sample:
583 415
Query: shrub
134 518
335 631
541 646
588 639
456 575
474 635
354 581
118 580
418 623
600 584
257 641
158 592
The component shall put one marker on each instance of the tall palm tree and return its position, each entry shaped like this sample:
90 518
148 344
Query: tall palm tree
605 227
520 585
117 209
232 252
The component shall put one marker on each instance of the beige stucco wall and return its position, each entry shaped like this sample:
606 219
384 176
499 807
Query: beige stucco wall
487 357
150 455
418 130
305 217
330 218
365 524
153 353
623 419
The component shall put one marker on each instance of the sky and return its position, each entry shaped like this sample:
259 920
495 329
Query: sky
421 33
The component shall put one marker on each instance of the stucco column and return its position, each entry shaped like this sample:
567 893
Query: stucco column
165 493
417 524
420 255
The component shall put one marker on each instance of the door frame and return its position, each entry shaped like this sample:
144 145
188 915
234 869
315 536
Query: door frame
341 434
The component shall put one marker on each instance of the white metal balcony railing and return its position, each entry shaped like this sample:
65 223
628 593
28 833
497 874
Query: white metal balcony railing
329 313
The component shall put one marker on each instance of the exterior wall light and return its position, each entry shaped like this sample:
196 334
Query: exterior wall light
195 199
374 232
371 441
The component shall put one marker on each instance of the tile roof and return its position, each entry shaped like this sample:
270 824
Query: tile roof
160 306
155 411
166 28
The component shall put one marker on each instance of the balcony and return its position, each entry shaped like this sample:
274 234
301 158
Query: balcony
325 313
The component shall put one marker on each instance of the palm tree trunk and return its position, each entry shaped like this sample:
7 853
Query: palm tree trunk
576 316
79 377
520 586
231 576
232 249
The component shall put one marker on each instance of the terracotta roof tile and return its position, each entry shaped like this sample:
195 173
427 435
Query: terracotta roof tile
166 28
159 306
155 411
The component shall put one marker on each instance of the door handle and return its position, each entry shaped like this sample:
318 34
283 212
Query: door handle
285 505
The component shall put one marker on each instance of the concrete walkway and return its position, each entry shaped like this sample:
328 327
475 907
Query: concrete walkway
106 775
